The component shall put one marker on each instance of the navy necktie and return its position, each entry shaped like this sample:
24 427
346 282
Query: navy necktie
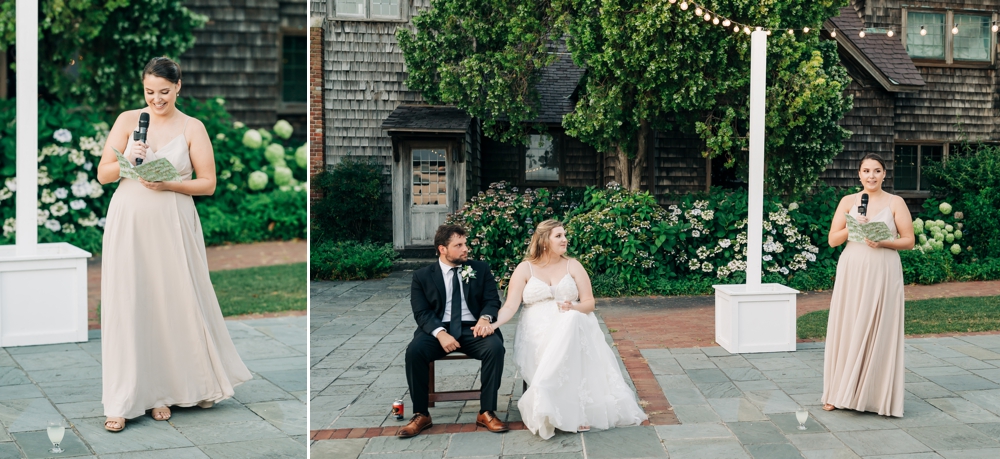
456 306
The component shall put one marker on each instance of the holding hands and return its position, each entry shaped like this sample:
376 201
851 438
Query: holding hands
483 328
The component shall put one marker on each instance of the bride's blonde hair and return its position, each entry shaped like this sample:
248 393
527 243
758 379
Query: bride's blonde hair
540 240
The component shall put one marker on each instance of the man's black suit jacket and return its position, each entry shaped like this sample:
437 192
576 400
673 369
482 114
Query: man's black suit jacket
428 295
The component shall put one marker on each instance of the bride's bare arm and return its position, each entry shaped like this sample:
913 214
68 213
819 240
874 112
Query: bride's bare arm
515 288
587 303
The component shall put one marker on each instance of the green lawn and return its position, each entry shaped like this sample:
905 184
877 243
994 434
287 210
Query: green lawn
263 289
943 315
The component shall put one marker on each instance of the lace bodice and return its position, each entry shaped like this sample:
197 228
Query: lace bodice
537 291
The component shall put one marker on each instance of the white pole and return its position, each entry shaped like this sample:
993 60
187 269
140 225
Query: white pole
758 66
27 126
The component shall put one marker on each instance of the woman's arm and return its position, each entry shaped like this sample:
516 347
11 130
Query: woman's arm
203 160
838 227
904 225
587 303
107 169
515 288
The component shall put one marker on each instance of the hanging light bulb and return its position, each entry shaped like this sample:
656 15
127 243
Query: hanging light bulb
726 23
768 33
715 20
954 30
833 33
697 11
923 31
736 28
746 30
805 30
890 33
790 32
995 26
684 6
861 34
673 1
708 17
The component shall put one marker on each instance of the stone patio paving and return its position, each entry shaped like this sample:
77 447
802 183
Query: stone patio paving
729 406
266 418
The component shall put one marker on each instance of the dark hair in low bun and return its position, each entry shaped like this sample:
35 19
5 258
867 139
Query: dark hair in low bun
163 67
874 157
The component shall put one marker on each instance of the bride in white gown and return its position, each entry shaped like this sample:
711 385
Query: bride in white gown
574 382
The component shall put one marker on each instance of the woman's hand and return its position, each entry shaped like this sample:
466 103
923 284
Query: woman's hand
155 186
566 306
862 219
138 149
873 244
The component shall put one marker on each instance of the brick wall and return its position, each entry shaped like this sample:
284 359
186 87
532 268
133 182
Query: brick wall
316 163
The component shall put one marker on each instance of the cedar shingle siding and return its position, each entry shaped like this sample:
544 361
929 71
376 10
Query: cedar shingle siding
236 56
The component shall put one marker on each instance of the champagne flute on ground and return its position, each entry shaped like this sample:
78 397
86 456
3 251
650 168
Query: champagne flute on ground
56 431
802 416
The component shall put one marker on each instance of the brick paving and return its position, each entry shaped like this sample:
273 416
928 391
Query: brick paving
220 258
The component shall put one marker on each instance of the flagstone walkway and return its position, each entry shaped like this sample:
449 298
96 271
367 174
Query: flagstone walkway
265 419
727 406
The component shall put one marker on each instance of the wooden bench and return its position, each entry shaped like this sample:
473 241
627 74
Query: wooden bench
450 396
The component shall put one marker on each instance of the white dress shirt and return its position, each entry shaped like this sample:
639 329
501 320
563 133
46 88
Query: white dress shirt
447 273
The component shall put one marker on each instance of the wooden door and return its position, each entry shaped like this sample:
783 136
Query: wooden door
430 191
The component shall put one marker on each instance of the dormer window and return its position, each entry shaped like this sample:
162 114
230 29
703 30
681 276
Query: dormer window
936 37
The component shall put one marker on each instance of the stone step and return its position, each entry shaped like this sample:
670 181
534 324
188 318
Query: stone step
409 264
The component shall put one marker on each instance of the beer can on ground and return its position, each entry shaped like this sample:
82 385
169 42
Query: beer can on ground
397 409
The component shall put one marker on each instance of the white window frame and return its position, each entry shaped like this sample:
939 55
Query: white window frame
949 42
404 7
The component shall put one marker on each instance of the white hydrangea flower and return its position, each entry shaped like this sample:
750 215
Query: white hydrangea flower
81 188
11 183
59 209
88 221
238 125
96 190
77 158
9 226
43 215
77 204
708 214
706 267
68 228
102 222
48 197
694 264
61 193
784 270
5 193
87 166
695 233
81 177
62 135
725 243
53 225
767 258
43 176
48 150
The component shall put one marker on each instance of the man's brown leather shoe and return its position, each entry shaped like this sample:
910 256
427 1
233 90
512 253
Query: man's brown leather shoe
417 424
491 423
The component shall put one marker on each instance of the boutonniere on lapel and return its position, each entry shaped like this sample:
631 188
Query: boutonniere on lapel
467 273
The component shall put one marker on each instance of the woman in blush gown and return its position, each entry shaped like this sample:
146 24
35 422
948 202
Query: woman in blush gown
863 361
163 339
574 381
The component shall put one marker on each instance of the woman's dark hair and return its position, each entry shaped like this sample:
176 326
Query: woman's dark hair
872 156
163 67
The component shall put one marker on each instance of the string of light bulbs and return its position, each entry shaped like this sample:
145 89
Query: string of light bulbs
716 19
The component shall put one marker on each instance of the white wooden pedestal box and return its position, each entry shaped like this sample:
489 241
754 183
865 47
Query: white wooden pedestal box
43 295
755 319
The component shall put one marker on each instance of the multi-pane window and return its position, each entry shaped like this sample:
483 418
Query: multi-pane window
930 43
973 40
367 9
932 35
430 176
293 68
541 160
908 163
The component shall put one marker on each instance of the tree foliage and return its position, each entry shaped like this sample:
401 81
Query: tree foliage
93 51
650 65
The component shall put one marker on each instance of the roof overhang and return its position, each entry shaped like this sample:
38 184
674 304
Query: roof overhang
862 59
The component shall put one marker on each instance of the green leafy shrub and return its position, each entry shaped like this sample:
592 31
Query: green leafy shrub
927 268
353 206
971 183
500 223
350 260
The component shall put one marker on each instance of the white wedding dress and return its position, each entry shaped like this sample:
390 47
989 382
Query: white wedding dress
573 376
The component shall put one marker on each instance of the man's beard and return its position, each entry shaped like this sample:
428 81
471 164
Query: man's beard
458 260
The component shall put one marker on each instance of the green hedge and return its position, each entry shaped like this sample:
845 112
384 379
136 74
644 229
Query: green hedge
350 260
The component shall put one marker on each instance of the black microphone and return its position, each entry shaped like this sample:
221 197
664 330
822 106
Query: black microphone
863 208
141 133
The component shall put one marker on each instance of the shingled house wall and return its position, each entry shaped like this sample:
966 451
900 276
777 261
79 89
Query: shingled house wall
236 57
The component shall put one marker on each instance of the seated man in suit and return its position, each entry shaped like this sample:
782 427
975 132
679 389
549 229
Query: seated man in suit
454 301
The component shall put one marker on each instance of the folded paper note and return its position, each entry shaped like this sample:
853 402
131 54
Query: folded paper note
160 170
873 231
